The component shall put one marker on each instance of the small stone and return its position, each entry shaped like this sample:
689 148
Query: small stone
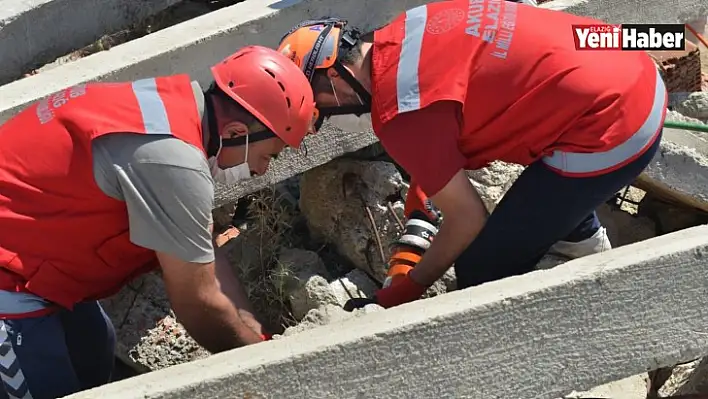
355 284
303 281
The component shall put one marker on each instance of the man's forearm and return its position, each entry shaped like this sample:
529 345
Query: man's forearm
219 322
233 289
454 236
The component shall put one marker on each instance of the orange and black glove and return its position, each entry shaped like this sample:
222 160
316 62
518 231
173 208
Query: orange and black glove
405 290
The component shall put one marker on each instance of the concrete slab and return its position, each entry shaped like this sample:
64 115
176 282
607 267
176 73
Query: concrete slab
541 335
193 46
38 31
679 171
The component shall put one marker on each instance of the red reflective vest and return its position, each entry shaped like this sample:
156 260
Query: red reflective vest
526 92
61 237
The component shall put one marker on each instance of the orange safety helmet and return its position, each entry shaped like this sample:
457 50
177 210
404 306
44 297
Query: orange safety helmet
272 89
316 44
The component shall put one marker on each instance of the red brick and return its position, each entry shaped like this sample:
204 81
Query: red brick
681 70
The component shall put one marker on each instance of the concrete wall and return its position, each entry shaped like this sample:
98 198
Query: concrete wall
38 31
540 335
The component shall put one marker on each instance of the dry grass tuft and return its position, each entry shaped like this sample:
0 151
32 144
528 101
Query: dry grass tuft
255 258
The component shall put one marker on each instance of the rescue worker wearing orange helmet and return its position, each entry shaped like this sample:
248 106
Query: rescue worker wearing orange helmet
102 182
453 85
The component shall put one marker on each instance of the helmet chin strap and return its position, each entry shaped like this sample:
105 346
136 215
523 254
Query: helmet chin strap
364 106
216 142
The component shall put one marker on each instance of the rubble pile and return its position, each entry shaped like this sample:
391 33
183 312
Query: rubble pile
311 243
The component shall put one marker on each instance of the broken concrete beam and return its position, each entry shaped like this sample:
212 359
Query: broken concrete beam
329 143
588 322
679 171
36 32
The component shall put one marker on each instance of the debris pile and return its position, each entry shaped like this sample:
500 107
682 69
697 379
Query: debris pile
307 245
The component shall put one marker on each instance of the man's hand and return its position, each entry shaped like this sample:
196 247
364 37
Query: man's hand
200 305
464 216
403 291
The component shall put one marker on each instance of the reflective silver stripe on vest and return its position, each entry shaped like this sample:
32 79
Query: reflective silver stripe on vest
13 379
20 302
152 108
407 86
583 163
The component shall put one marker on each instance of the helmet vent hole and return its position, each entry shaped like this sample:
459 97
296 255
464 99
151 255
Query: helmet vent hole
231 84
287 129
287 99
282 87
269 72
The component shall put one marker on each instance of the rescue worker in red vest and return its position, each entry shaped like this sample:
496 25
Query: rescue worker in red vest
451 86
102 182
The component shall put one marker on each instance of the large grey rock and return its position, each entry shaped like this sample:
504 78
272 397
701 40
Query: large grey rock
334 199
693 105
494 181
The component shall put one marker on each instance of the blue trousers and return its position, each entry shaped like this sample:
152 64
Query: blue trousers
541 208
56 355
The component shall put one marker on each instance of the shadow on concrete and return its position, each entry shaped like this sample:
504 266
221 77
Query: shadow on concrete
279 5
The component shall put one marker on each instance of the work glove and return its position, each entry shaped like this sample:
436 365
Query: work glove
403 291
266 336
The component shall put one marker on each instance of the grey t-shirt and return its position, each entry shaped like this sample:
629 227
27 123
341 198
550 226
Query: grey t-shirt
168 190
167 187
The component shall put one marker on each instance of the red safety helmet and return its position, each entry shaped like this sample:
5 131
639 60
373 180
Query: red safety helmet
272 88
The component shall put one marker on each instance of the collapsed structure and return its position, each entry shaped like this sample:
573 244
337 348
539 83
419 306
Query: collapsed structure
307 283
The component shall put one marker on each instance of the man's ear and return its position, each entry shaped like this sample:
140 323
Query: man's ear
235 129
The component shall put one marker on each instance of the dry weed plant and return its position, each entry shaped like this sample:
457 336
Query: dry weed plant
264 278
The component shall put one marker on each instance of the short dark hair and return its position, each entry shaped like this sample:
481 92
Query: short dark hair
320 81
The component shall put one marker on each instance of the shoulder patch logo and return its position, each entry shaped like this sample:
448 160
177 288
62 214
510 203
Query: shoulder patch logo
445 20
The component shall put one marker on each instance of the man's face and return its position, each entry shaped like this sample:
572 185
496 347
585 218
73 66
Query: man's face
342 94
259 155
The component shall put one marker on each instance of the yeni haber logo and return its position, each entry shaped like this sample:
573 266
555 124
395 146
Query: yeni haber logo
630 37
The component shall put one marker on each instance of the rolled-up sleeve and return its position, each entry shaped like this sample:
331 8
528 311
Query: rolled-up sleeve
425 144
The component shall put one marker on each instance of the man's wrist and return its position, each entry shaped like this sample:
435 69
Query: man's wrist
421 276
